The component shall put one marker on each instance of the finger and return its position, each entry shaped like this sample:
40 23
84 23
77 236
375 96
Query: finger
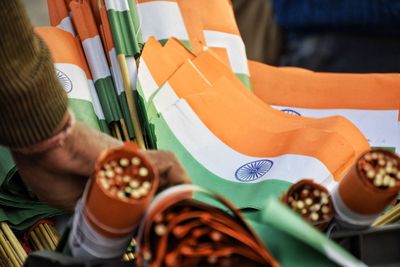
170 169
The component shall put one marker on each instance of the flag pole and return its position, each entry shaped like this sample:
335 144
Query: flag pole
131 101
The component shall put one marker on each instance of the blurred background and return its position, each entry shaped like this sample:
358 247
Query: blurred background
37 10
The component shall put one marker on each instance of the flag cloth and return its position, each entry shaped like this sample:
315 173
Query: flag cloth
245 152
70 71
370 101
59 17
87 30
18 206
293 241
116 70
197 23
127 38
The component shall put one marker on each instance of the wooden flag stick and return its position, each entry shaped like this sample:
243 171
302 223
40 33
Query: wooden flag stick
51 234
131 101
116 131
55 232
7 248
4 258
35 241
14 242
124 130
41 238
391 216
47 237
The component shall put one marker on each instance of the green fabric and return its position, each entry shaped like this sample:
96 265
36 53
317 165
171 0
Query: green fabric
108 99
18 206
245 79
293 241
126 114
250 195
136 22
123 32
84 112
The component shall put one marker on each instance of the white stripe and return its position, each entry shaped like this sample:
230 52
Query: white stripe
117 5
339 258
132 71
381 127
148 84
162 20
346 215
66 25
96 101
116 71
234 46
74 81
96 58
222 160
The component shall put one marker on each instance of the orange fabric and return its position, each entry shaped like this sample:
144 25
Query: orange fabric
57 11
276 129
83 19
106 29
212 69
231 118
297 87
65 48
215 15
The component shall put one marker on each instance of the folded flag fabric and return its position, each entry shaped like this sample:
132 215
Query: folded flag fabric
294 242
116 69
197 23
370 101
87 30
70 69
191 116
18 206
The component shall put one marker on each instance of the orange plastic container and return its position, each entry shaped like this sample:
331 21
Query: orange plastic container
107 213
360 195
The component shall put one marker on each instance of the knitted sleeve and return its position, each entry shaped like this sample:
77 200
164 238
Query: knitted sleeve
32 102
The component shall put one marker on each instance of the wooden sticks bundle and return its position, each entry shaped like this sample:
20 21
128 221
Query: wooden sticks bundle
44 237
392 215
11 252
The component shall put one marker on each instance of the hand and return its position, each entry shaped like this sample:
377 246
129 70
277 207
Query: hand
59 175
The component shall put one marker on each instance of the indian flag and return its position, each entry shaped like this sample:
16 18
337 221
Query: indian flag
370 101
59 17
116 70
163 20
95 55
197 23
219 31
70 69
192 127
127 38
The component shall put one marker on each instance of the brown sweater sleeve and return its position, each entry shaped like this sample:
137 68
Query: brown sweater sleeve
32 102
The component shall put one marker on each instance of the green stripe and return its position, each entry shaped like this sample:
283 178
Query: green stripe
245 79
126 114
123 33
104 127
241 194
186 43
136 22
108 99
84 112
